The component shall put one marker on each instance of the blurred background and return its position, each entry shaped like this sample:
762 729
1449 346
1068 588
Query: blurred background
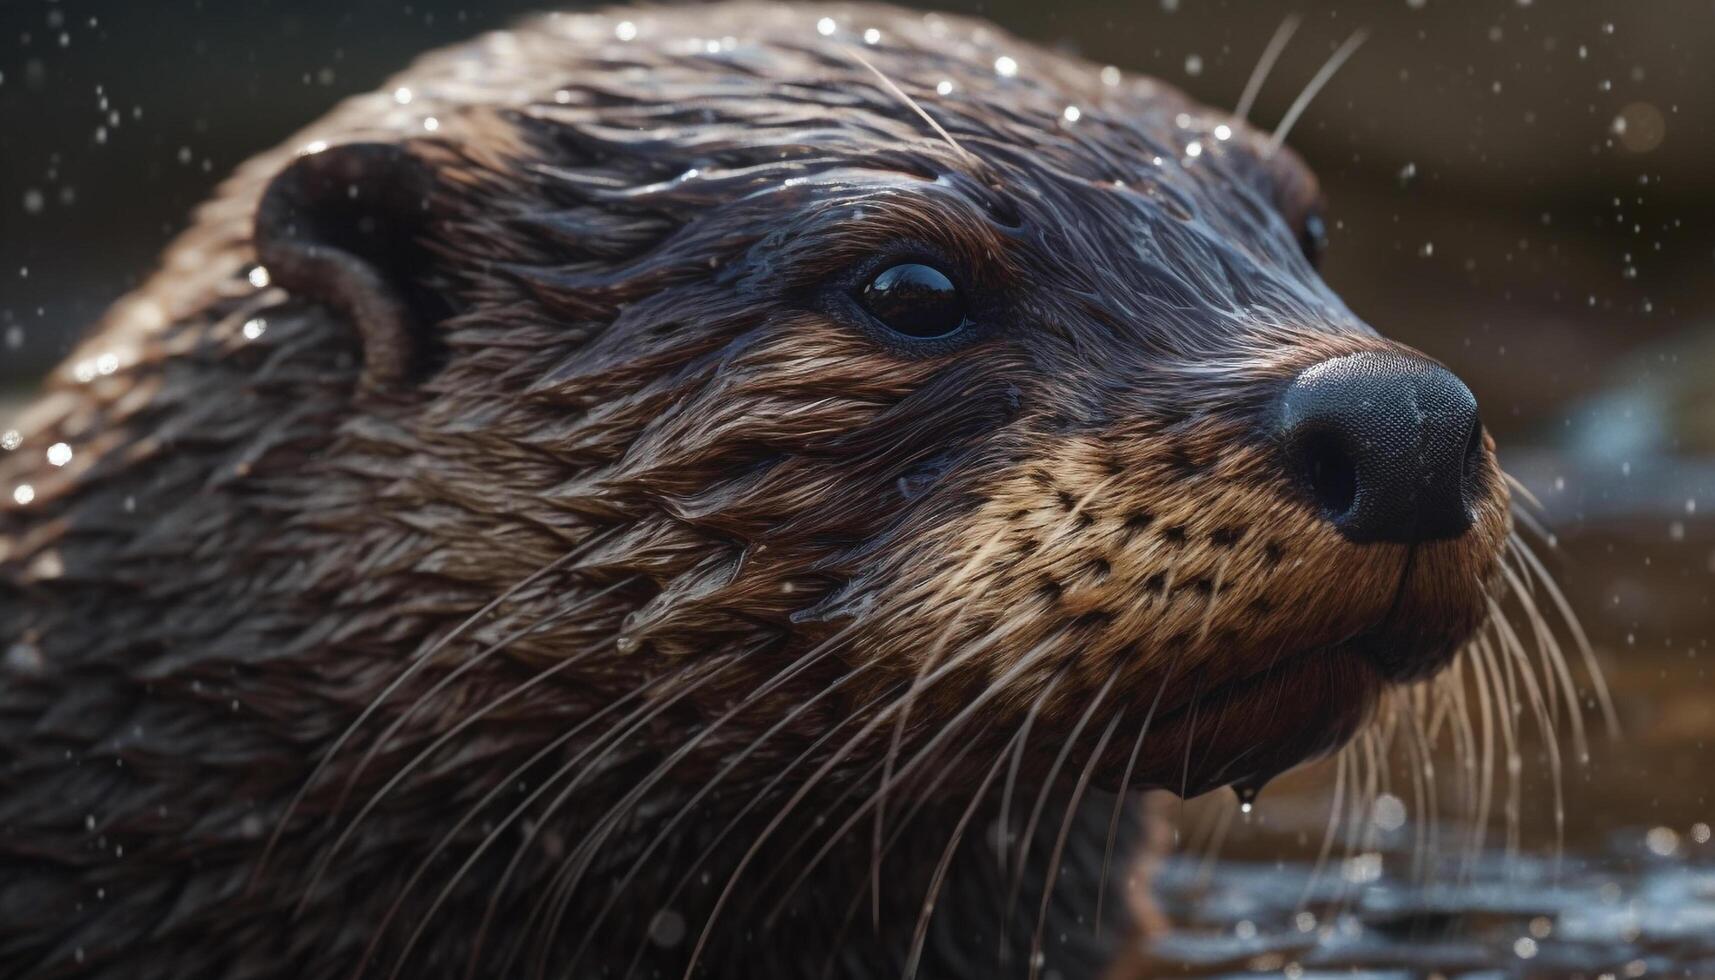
1522 188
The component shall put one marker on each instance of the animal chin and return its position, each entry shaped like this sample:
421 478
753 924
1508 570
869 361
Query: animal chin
1252 728
1301 706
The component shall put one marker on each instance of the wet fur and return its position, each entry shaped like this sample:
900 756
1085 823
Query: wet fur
655 373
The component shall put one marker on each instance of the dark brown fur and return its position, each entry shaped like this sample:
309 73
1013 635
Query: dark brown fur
1076 520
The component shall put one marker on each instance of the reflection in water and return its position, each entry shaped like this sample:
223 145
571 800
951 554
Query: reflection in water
1644 905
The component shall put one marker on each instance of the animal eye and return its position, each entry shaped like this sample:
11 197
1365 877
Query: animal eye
1313 238
915 300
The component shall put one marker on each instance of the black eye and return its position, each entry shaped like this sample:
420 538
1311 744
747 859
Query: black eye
916 300
1313 238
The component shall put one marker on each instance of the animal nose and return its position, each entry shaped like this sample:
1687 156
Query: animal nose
1387 444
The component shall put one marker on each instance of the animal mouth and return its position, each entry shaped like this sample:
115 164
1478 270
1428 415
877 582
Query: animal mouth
1252 727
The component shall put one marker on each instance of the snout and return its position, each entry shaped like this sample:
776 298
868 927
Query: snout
1387 445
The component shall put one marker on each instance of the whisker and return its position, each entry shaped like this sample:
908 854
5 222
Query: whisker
957 620
416 664
1342 763
1506 705
1548 649
1065 830
690 805
756 799
879 851
921 932
1517 486
499 787
1012 769
946 731
499 646
1425 800
1125 783
1486 713
1513 646
899 94
815 778
578 862
1597 682
1042 800
1465 748
1211 845
1265 64
1303 101
541 677
633 722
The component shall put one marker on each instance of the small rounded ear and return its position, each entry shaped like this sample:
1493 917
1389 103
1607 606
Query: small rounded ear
342 226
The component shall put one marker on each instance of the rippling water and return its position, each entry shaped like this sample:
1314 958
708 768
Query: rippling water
1645 906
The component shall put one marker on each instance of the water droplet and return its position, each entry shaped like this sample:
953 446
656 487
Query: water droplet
1110 76
871 36
826 27
667 929
1005 67
11 439
1193 65
1247 790
402 95
254 327
59 454
23 494
1388 813
258 277
1662 841
625 30
1072 114
944 87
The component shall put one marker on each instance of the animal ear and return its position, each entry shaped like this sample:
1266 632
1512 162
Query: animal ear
344 226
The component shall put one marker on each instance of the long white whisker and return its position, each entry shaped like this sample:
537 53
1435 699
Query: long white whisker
805 788
1303 101
417 663
1597 681
1265 64
1059 850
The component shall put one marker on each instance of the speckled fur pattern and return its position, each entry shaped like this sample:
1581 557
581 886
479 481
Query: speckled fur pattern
637 571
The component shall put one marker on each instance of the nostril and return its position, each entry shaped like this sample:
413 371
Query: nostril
1332 474
1474 450
1386 445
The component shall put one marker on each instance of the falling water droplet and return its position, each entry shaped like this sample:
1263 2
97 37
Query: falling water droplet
1246 790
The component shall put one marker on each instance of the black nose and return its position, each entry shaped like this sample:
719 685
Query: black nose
1387 444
